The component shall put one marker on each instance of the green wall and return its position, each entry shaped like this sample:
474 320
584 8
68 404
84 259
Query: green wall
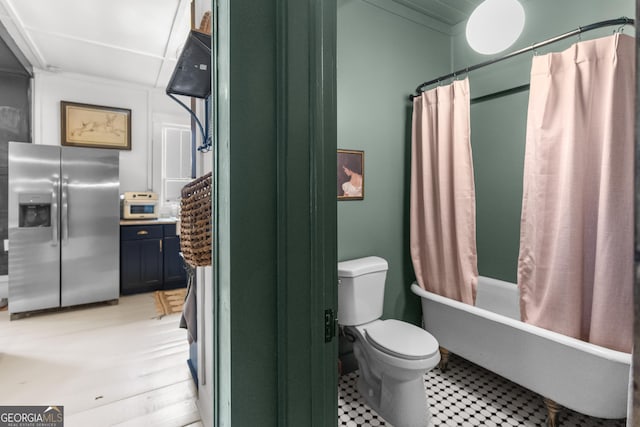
498 153
498 126
381 58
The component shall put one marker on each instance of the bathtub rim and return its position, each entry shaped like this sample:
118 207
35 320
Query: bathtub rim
593 349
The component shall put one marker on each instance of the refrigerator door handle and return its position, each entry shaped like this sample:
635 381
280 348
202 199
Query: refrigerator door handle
65 209
54 211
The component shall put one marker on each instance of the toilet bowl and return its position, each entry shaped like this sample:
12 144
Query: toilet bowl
392 355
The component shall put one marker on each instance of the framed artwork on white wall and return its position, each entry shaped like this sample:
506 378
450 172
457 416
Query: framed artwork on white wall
85 125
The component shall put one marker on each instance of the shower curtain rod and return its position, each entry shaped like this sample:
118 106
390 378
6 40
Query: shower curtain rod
620 21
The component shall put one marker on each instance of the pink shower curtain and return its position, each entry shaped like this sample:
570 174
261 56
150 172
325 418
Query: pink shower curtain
442 215
575 267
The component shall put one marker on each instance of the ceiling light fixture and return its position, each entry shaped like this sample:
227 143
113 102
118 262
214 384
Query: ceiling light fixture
495 25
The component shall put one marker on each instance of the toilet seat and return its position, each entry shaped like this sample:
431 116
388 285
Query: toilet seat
401 339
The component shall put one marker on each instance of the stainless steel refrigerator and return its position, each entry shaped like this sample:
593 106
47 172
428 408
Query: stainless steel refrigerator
63 226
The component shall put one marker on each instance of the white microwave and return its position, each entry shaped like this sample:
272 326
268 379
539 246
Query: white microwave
142 205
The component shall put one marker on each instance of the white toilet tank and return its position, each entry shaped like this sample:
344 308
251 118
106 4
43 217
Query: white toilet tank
361 290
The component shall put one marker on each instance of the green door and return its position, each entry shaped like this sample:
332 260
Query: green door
275 213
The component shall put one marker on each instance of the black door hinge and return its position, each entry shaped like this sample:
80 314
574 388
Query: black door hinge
330 325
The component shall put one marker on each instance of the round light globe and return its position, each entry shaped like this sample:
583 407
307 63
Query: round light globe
495 25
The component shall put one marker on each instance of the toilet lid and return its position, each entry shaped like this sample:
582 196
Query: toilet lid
401 339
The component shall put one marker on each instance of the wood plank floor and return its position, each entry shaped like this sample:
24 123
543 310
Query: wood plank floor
108 365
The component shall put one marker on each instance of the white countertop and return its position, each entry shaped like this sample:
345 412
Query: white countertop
170 220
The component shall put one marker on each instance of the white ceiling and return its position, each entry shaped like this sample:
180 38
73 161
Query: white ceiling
136 41
450 12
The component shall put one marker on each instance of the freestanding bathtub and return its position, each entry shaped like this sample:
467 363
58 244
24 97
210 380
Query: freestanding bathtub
584 377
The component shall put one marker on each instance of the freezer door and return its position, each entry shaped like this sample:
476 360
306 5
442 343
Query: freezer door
34 249
89 225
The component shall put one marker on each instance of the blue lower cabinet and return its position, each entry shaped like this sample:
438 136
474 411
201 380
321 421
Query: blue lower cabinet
174 274
140 266
150 258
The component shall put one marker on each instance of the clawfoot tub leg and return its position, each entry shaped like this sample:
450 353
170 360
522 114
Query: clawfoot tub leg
552 412
444 359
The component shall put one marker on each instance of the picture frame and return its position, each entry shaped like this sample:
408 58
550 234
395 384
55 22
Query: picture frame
350 177
95 126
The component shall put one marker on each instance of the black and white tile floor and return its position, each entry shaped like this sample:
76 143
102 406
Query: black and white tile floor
466 395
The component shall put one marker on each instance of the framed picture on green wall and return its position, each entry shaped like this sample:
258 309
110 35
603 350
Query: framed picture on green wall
350 175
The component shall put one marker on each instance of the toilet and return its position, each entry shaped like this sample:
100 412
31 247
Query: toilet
392 355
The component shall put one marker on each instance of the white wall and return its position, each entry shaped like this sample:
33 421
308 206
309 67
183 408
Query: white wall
205 287
135 165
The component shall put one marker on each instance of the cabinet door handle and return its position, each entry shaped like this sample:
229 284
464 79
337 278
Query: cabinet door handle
160 241
142 232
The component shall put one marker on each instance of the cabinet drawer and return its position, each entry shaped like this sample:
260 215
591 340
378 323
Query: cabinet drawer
137 232
169 230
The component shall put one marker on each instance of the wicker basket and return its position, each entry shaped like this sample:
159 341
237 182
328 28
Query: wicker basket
195 221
